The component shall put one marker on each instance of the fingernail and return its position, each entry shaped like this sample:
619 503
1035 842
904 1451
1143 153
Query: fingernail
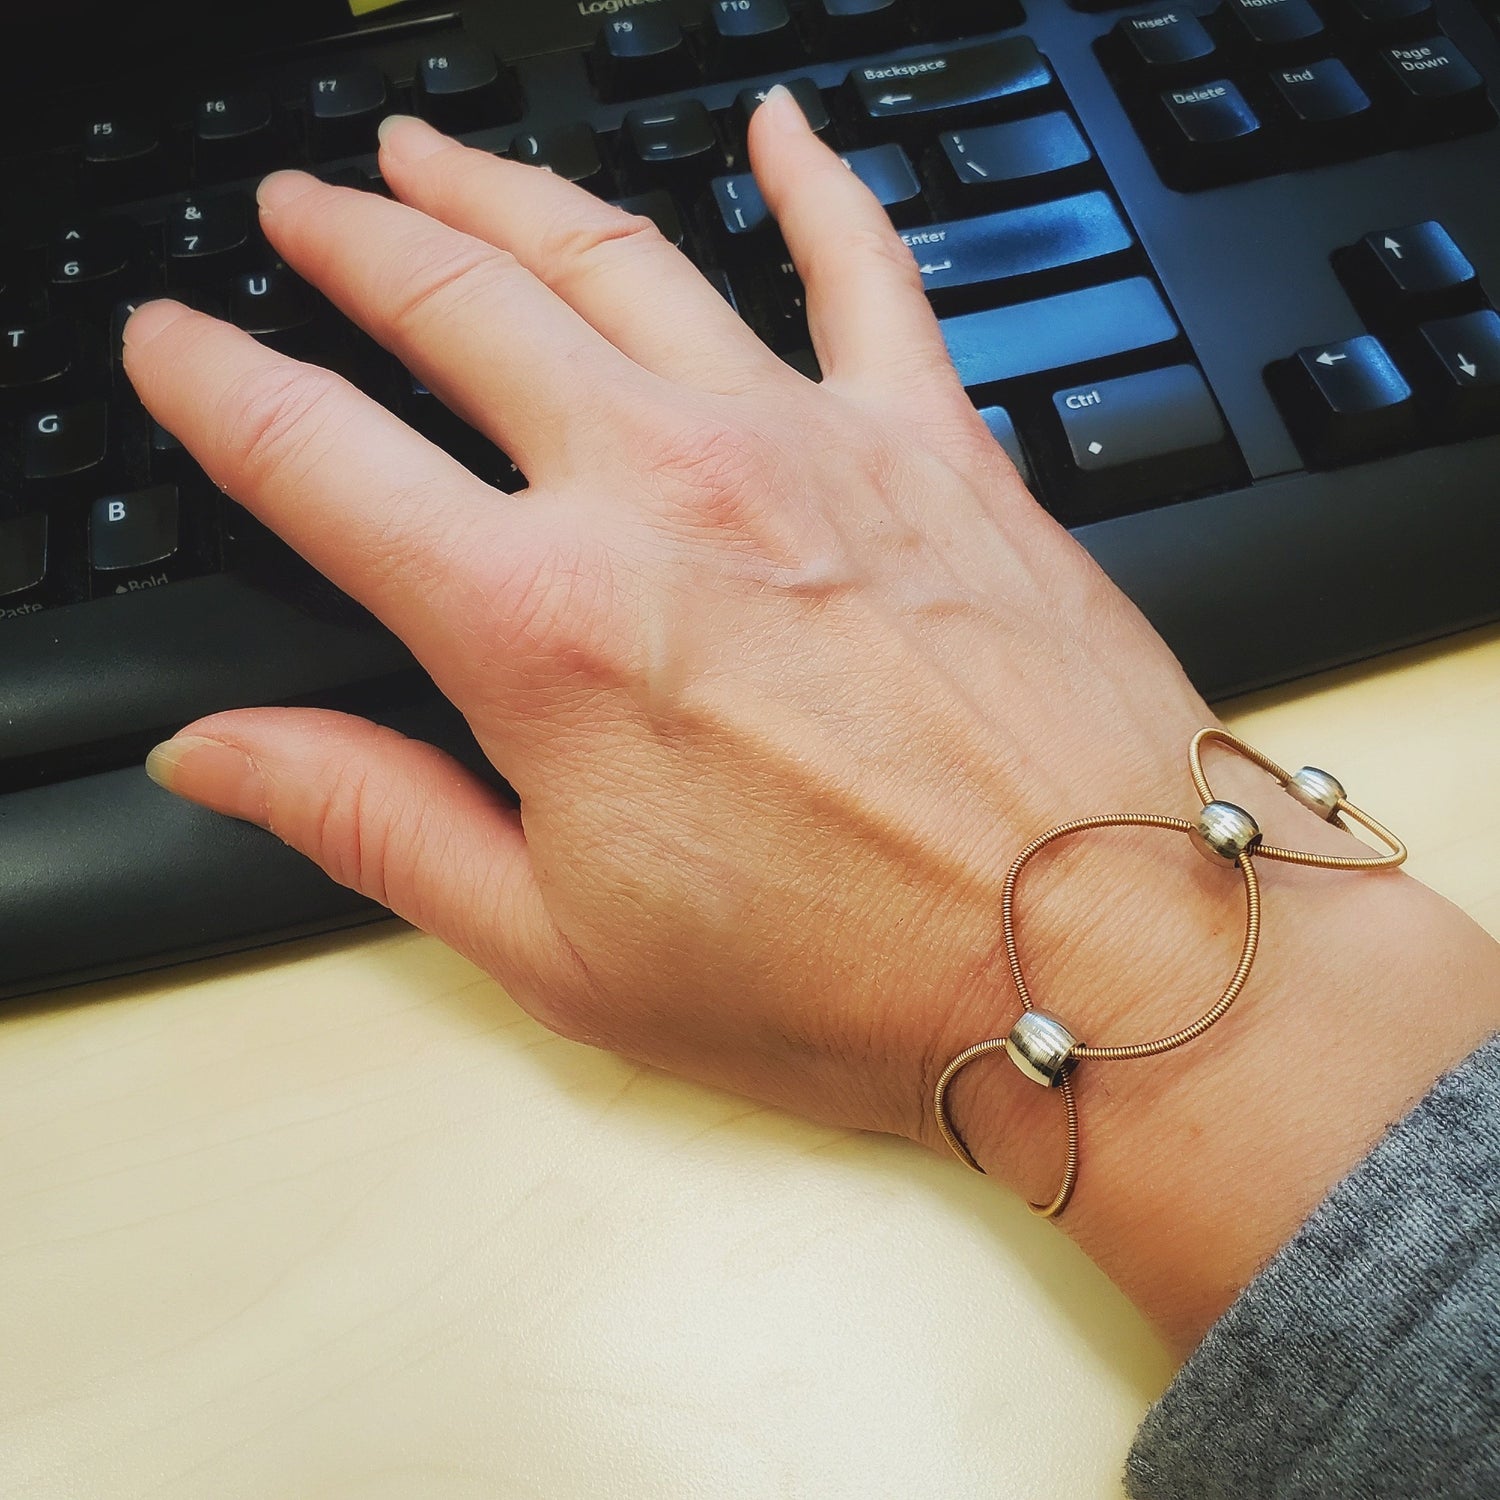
406 135
277 190
786 114
211 773
148 320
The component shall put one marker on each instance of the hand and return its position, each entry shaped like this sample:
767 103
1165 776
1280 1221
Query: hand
782 673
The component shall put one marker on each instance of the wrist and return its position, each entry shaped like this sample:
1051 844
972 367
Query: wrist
1197 1164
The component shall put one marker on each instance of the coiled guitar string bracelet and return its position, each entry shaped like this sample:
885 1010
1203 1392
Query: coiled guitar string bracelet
1042 1047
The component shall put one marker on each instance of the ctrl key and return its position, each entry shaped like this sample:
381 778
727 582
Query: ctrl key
1141 440
1344 401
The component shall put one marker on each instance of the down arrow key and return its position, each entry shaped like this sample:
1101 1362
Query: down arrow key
1459 362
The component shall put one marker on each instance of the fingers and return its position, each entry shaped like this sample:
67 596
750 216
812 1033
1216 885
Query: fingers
390 817
614 268
386 515
481 331
869 318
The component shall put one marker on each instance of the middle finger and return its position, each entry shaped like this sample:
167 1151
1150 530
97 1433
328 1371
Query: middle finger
615 268
479 329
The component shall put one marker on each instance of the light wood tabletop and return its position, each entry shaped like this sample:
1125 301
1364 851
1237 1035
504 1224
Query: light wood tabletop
338 1220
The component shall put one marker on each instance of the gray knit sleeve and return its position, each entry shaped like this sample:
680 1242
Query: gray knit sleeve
1364 1360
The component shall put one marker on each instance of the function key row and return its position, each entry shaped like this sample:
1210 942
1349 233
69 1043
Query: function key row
1257 87
457 86
647 50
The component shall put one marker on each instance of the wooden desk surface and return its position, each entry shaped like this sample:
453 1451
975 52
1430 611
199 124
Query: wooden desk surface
339 1221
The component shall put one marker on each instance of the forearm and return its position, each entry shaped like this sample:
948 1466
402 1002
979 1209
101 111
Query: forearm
1199 1164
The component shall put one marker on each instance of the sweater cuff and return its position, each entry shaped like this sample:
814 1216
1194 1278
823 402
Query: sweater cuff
1362 1361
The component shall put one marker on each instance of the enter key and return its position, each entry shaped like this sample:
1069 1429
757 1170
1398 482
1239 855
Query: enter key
960 258
1142 440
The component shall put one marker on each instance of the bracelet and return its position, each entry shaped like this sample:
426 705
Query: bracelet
1042 1047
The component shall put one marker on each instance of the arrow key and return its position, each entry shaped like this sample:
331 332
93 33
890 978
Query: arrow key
1459 359
1344 401
1404 275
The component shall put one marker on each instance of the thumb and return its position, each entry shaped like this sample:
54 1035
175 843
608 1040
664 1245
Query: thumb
391 817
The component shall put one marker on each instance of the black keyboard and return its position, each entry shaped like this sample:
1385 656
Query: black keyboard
1220 276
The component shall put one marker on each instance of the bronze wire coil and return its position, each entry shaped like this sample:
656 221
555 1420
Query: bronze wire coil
1243 861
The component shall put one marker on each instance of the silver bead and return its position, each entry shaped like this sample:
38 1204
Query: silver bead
1039 1045
1224 831
1316 789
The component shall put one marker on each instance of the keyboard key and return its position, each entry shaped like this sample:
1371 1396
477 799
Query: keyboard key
34 356
1344 401
1055 333
278 307
749 36
571 151
744 219
674 142
1275 23
1212 134
1408 273
1021 157
887 172
915 93
958 257
661 209
23 555
1439 90
459 86
960 18
121 158
134 531
642 53
344 108
1003 430
803 90
1143 438
1388 15
843 28
90 256
1460 359
1322 99
208 237
1164 44
233 135
66 446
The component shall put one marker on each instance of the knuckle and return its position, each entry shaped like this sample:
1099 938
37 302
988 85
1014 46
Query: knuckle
709 463
274 415
562 608
350 835
430 282
586 234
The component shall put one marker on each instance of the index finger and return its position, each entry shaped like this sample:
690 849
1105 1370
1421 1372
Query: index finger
389 517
